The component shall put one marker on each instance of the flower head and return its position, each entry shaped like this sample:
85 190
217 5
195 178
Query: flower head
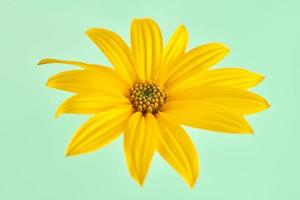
150 92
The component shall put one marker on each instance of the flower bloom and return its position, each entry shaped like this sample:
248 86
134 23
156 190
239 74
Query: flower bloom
150 92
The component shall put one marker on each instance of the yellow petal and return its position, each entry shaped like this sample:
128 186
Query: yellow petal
207 116
226 77
115 50
134 122
176 147
83 81
75 63
146 44
91 103
140 141
235 99
100 130
196 60
173 50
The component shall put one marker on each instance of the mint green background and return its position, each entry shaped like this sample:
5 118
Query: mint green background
263 36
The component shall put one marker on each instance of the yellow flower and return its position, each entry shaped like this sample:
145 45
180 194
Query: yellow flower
151 91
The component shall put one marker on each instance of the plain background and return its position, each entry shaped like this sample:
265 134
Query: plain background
263 36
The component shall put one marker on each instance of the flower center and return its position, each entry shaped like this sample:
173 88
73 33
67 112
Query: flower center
147 97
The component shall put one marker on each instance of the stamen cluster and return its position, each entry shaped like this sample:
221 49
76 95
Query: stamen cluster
147 97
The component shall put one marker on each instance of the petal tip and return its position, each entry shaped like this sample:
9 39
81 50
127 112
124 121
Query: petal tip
251 131
225 47
268 105
182 26
89 32
141 183
150 20
60 110
69 152
135 20
57 114
221 46
247 129
183 29
43 61
48 83
260 78
192 183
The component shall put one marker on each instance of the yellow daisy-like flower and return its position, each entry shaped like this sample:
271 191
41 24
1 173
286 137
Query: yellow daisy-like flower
151 92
